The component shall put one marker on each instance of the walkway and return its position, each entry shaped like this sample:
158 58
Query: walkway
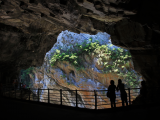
31 110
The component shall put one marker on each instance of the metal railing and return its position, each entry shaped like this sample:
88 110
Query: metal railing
92 99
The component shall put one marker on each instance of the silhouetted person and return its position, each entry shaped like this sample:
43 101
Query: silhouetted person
111 90
120 87
143 91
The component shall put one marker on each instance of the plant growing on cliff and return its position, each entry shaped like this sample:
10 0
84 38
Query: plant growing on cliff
63 76
104 54
25 75
95 48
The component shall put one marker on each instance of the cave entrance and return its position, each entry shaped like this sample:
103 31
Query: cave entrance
93 59
111 61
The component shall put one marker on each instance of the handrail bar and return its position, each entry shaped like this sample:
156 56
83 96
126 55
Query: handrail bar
96 96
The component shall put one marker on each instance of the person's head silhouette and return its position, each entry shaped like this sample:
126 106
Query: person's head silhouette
119 81
112 82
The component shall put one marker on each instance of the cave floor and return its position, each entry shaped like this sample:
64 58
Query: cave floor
21 109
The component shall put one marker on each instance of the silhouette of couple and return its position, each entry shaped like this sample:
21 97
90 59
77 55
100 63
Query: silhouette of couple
112 95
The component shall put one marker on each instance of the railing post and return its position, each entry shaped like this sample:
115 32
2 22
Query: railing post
38 94
61 96
129 96
95 99
48 95
29 94
76 99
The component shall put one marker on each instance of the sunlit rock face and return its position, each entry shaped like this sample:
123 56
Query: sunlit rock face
35 22
63 75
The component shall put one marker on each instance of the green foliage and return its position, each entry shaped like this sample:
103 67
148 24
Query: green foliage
26 72
95 48
78 68
68 83
119 57
63 76
130 79
25 75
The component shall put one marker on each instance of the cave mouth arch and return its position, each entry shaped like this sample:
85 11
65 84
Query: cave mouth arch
66 41
93 72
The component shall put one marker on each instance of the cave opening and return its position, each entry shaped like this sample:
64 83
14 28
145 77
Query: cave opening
91 59
60 47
